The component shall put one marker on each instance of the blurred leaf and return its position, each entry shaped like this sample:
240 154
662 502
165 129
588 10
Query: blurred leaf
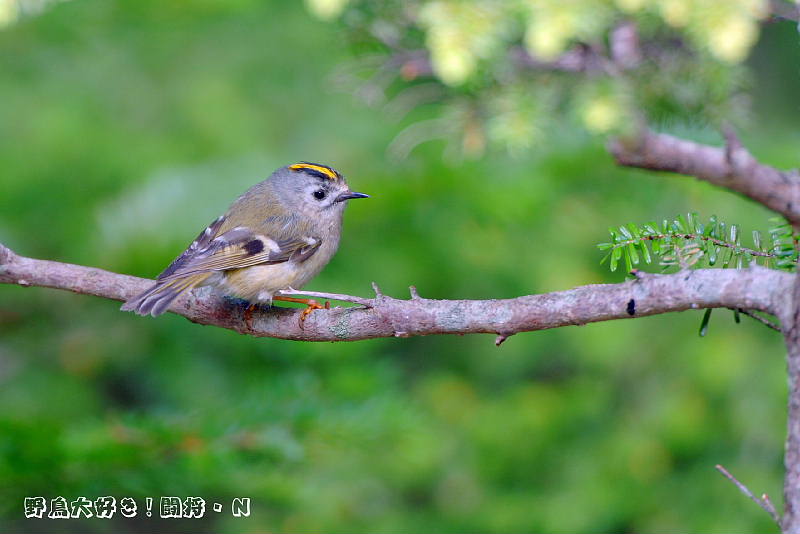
704 323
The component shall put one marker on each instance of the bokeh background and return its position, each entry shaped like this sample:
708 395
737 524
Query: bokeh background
127 125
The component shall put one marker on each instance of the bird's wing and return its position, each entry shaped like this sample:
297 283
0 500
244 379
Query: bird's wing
276 241
224 246
201 242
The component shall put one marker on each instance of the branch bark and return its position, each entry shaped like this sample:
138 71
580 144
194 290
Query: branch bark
755 288
732 167
785 10
791 459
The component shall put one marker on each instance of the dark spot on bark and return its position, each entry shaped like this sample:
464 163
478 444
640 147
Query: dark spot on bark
631 307
254 247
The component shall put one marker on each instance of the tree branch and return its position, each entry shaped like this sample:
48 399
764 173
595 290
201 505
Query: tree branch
791 459
732 167
764 501
755 288
784 10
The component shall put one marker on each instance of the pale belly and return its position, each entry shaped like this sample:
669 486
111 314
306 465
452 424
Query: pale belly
259 283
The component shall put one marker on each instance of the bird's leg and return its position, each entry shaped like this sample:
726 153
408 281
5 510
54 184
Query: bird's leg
248 315
310 303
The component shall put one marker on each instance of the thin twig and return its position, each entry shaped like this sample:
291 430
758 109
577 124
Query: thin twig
763 502
771 508
377 290
414 292
763 320
332 296
501 338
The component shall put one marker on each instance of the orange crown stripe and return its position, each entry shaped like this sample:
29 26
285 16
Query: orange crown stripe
327 171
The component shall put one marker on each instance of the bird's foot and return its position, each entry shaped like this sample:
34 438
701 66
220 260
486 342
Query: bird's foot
248 316
311 305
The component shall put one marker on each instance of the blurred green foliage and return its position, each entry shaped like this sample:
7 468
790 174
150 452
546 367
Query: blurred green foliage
511 71
127 125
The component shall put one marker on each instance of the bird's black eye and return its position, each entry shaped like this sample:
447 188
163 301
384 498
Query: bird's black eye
319 194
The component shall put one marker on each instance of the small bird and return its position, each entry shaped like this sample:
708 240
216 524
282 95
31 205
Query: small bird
278 235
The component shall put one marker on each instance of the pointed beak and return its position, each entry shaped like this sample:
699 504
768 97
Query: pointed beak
349 195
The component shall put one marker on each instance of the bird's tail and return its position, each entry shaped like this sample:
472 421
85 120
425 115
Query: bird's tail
155 300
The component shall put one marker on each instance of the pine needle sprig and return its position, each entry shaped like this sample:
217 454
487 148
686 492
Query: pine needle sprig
688 242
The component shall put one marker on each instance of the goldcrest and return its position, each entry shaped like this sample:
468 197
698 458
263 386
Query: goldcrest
277 235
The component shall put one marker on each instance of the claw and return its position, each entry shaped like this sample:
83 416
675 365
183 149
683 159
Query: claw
311 306
248 316
310 303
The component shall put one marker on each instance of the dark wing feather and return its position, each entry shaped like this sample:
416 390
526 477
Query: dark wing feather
242 247
236 248
202 241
